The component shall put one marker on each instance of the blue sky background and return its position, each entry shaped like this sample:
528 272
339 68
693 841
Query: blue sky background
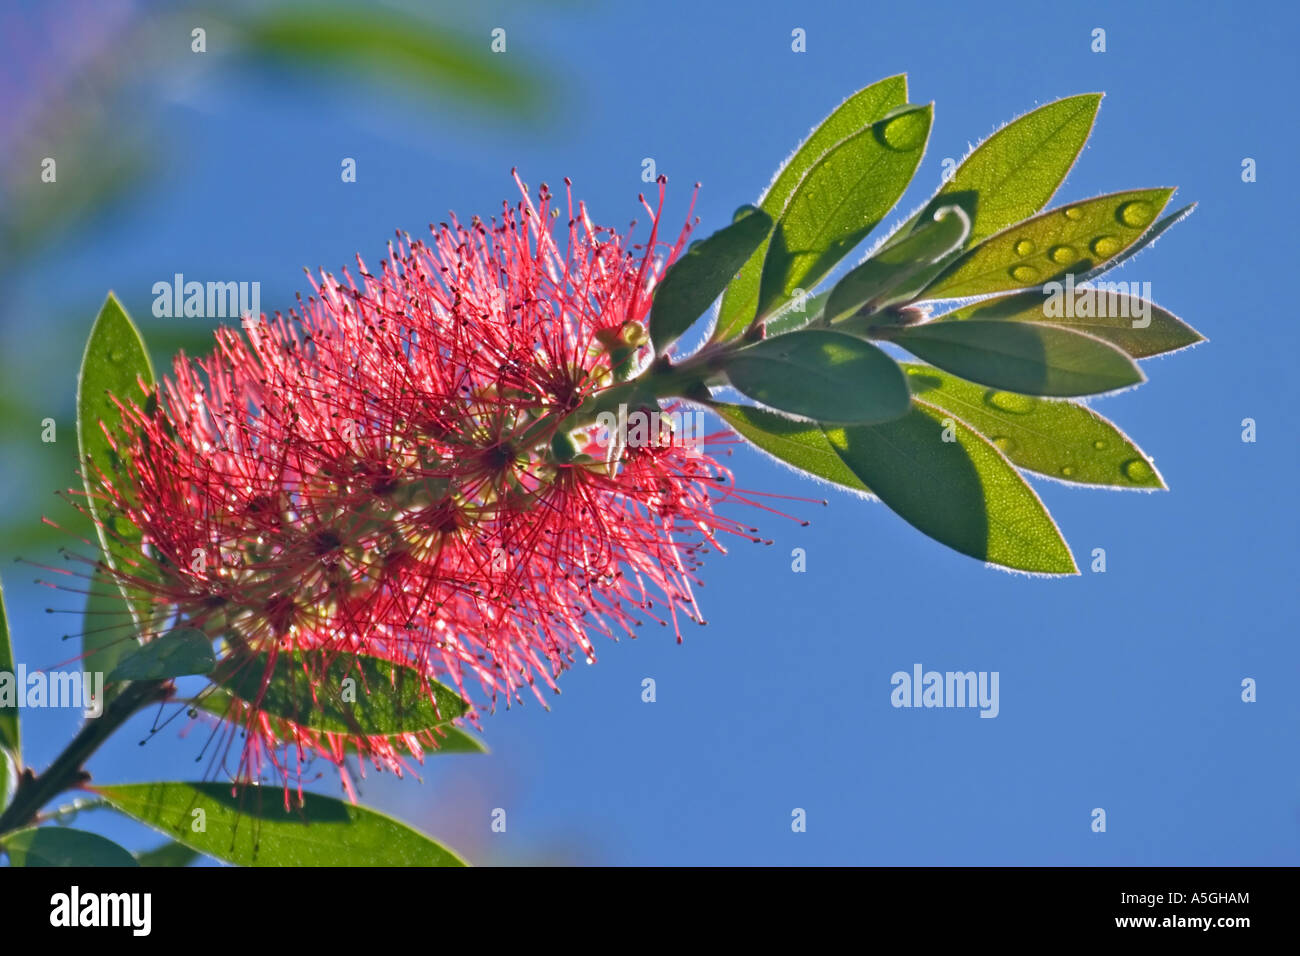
1118 690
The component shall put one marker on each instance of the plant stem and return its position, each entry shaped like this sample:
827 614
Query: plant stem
67 770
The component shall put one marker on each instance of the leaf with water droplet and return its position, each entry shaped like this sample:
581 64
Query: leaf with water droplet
858 112
1060 439
962 492
1062 243
1148 237
823 375
1020 357
840 200
1139 327
871 283
249 827
1013 173
113 334
698 277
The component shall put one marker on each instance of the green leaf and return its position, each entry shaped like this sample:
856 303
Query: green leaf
1063 440
870 283
170 853
859 111
178 653
1158 331
801 444
841 199
1013 173
386 45
108 629
961 492
251 827
8 777
1068 240
802 313
317 689
63 846
9 737
1022 357
697 278
823 375
115 356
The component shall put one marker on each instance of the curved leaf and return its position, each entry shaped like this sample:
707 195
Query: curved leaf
1068 240
1062 440
251 827
114 359
961 492
63 846
1013 173
841 199
1021 357
342 693
740 300
698 277
800 315
1148 237
872 281
823 375
1156 331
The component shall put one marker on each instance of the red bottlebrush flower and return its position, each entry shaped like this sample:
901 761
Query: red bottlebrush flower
403 467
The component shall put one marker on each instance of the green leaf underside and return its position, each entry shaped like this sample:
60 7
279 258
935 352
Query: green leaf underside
1164 332
1012 174
1022 357
798 443
1070 239
698 277
1063 440
740 300
450 738
115 355
177 653
795 318
822 375
389 698
893 266
9 738
170 853
840 200
63 846
963 493
250 827
108 631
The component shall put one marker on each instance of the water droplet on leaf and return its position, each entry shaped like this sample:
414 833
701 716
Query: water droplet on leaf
1074 213
1136 213
1010 402
1005 444
1024 273
906 131
1106 246
1063 255
1067 471
1135 469
1024 247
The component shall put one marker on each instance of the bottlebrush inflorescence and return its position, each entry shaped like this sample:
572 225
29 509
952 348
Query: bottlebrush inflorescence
402 467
